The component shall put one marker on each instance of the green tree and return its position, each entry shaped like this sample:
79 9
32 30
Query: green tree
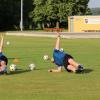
45 12
27 8
95 11
53 11
10 13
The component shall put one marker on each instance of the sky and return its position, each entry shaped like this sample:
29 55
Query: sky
94 3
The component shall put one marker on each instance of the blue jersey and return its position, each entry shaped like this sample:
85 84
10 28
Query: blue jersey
1 54
58 57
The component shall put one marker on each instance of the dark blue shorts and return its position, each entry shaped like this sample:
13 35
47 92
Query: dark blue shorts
66 63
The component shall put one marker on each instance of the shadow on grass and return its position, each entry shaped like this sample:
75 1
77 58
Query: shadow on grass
18 71
11 58
86 71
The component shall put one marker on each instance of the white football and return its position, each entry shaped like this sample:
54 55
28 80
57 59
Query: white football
8 43
46 57
12 67
32 66
61 49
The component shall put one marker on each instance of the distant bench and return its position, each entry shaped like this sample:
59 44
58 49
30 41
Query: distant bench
53 29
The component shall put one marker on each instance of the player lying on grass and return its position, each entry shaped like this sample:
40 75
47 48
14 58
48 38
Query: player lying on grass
3 58
60 58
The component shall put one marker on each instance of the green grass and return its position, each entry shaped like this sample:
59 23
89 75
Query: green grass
41 85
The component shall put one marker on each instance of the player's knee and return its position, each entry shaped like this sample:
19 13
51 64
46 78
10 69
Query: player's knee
70 60
71 68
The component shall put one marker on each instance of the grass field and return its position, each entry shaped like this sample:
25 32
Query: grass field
41 85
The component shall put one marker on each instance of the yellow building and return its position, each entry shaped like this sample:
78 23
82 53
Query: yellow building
84 24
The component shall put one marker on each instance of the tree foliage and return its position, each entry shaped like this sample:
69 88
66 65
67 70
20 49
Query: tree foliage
10 13
95 11
58 10
45 12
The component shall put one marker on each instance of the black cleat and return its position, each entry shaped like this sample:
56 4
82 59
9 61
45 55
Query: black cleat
80 69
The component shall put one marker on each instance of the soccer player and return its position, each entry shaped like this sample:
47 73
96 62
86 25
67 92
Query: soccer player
3 58
60 58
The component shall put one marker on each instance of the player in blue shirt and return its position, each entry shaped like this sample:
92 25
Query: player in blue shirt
60 58
3 58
